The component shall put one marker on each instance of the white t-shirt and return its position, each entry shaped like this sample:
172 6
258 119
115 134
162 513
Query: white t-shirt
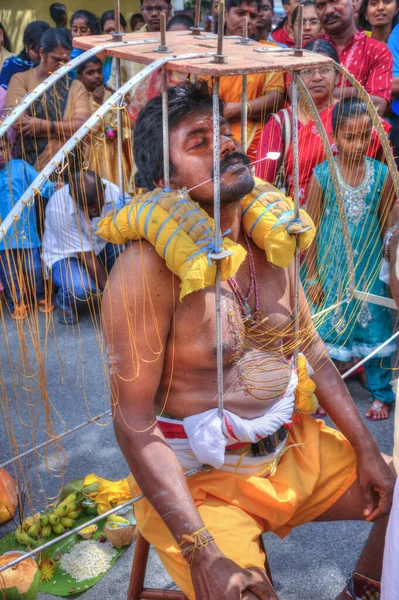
68 230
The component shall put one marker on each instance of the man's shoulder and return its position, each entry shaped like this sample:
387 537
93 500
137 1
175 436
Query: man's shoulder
61 199
143 274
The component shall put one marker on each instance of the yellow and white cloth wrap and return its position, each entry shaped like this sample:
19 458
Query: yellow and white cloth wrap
183 233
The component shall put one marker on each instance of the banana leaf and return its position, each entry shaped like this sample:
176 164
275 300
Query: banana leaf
62 584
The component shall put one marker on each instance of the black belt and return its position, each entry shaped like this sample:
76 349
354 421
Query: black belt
269 444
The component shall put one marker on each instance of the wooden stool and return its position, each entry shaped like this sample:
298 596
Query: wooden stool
137 591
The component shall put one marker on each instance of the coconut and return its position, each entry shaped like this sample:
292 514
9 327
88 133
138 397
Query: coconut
20 582
120 536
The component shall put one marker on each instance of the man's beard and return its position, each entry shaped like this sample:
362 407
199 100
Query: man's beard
243 183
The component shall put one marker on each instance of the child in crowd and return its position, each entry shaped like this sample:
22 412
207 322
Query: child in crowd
21 270
354 329
103 146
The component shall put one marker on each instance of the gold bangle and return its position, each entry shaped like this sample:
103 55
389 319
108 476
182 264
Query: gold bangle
249 109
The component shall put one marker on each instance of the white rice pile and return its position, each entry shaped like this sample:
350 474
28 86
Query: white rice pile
88 559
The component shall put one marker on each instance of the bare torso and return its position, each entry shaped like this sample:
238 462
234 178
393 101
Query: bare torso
256 371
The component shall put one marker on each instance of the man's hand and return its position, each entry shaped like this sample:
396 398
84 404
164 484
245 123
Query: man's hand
232 111
377 483
216 577
98 94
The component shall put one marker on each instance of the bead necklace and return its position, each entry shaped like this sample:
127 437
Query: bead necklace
253 287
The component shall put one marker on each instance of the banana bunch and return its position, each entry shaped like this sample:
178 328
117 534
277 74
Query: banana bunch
35 530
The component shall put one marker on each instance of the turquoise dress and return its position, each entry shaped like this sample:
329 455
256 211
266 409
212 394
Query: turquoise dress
356 328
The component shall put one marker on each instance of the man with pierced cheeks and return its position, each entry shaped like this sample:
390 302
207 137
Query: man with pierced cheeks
206 528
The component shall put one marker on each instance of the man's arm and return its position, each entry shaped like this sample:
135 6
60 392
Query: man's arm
94 267
380 103
375 477
259 108
138 312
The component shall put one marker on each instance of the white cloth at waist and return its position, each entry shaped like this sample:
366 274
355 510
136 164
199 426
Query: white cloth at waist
208 435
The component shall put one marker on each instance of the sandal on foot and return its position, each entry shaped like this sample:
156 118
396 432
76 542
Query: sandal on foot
359 587
377 406
45 307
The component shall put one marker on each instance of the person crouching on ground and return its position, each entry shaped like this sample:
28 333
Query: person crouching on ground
77 259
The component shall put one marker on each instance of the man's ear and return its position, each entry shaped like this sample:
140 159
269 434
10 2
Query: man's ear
160 183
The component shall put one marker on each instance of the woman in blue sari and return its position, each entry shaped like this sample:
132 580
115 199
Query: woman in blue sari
352 329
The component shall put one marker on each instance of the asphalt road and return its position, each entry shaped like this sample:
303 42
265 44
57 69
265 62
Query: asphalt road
312 563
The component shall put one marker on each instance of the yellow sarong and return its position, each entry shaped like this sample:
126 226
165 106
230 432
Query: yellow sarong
238 508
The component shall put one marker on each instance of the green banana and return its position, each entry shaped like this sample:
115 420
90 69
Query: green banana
46 531
67 523
58 529
34 530
72 506
43 520
53 519
60 510
75 514
28 522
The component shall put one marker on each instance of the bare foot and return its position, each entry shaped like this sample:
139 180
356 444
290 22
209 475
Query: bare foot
378 411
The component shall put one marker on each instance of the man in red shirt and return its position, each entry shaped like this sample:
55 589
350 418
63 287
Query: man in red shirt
369 60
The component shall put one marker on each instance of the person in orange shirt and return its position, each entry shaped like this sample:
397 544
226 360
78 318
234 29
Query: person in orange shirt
265 91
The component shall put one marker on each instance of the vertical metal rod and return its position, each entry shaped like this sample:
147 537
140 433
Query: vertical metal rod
197 17
296 211
163 29
244 112
117 15
245 28
119 116
220 27
218 242
298 45
165 129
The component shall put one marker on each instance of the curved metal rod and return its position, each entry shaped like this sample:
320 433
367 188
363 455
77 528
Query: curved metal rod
59 157
376 120
107 413
27 100
334 176
67 534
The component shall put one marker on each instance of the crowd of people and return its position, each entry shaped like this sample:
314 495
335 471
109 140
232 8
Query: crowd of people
362 37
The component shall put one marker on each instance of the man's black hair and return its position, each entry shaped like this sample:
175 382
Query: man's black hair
346 109
185 20
6 39
234 3
183 100
54 37
58 13
134 19
109 15
79 181
83 66
271 2
144 1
